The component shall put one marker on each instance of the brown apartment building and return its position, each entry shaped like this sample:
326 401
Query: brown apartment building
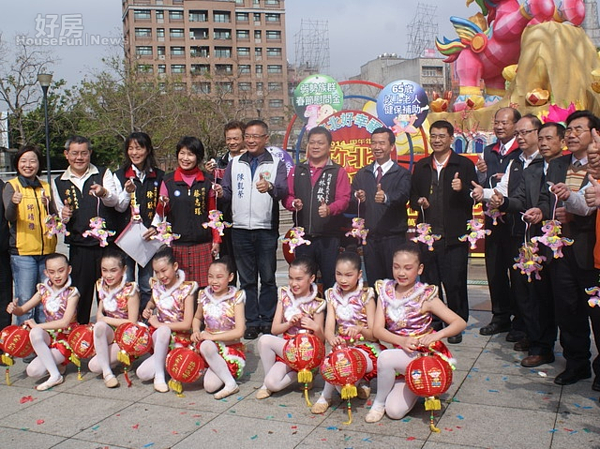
233 49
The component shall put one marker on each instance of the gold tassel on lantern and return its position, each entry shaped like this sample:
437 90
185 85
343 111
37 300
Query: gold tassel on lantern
7 360
431 404
349 391
123 357
305 376
176 386
7 376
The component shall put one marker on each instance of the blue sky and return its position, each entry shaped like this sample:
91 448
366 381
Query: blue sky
358 30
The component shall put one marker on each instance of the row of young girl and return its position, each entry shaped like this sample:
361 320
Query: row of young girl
402 318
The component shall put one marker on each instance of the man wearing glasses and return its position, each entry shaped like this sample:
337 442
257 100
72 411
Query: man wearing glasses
575 272
254 183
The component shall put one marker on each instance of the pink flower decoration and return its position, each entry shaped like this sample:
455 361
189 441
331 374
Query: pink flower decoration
558 114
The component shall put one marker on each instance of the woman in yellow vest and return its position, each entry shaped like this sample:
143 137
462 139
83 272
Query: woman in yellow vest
28 201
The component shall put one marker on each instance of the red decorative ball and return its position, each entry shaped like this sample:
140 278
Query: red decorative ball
428 375
81 341
285 247
303 352
14 341
344 366
133 339
185 365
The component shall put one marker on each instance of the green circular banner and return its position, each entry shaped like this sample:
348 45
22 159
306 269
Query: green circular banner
317 97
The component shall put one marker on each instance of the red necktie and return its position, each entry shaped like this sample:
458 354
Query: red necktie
379 174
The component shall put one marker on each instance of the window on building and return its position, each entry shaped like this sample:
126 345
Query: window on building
177 51
160 33
257 36
239 2
242 17
162 68
175 15
224 69
225 87
176 33
244 69
271 2
259 87
198 15
243 35
143 32
276 103
201 88
256 17
160 16
277 120
177 68
222 34
244 87
432 71
200 69
161 51
246 103
198 33
274 69
221 16
179 87
142 14
199 52
272 18
145 68
275 87
273 35
143 50
256 2
258 69
243 52
222 52
258 52
274 52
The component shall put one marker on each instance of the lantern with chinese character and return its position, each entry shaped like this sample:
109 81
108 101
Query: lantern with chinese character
81 342
184 365
343 367
302 353
14 342
428 376
133 340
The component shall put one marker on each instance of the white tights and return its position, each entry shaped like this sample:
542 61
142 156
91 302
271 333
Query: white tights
328 389
277 374
218 373
393 395
47 359
106 350
154 366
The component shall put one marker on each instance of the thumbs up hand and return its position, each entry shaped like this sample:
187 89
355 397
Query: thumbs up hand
497 199
13 308
379 195
324 210
456 183
263 186
67 212
477 192
17 196
592 193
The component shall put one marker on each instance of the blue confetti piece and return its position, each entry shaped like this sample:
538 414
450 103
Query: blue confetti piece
332 428
505 378
552 431
368 440
572 432
96 427
270 417
254 437
148 445
289 415
406 419
587 407
476 370
577 405
460 417
493 391
487 379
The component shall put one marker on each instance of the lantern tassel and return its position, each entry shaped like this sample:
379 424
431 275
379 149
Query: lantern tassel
306 398
432 403
7 376
432 424
123 357
75 360
349 413
7 360
305 376
176 386
349 391
79 376
126 375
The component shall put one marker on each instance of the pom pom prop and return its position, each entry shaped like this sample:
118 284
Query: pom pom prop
529 262
552 238
429 376
494 214
358 230
215 221
14 342
295 238
164 233
98 231
55 225
343 367
133 340
425 236
594 292
81 342
477 232
183 365
303 353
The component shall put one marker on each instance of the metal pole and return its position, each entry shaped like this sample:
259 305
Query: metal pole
48 167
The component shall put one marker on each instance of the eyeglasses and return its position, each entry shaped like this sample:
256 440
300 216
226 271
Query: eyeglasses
438 136
524 132
79 153
577 131
254 136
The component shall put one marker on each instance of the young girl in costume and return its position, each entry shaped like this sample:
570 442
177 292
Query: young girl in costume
221 309
119 303
403 319
298 307
350 316
49 339
173 301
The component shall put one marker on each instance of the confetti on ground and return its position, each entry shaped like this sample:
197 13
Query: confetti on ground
407 419
270 417
25 399
289 415
487 379
552 431
368 440
254 437
449 429
196 416
542 374
332 428
96 427
148 445
410 439
493 391
40 421
282 405
197 423
135 426
586 430
460 417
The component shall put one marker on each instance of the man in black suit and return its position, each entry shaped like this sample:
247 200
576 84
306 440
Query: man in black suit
575 272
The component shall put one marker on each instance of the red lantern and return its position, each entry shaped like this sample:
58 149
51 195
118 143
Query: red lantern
288 255
81 341
134 340
184 365
302 353
14 342
428 376
343 367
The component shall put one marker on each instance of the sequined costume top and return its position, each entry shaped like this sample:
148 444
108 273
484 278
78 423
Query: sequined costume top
309 305
170 303
350 308
219 312
115 301
403 316
55 301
